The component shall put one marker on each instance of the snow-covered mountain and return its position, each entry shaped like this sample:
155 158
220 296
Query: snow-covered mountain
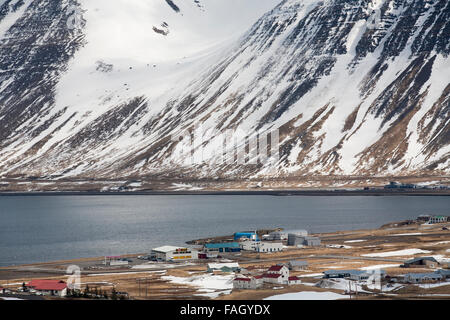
101 88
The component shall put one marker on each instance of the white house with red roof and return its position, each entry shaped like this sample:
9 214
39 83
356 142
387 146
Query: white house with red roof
48 287
278 274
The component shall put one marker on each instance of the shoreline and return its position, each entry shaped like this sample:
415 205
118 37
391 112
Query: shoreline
387 247
285 192
393 225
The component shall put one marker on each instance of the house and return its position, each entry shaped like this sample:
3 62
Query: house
428 262
279 269
298 265
294 280
423 277
222 247
48 287
224 267
248 282
171 253
274 278
278 274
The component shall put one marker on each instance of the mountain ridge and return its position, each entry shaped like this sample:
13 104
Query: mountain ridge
354 88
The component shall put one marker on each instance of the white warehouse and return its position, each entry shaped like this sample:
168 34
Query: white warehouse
171 253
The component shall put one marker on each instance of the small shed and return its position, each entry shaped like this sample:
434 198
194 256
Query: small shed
294 280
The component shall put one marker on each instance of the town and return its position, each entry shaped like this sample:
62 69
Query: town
407 259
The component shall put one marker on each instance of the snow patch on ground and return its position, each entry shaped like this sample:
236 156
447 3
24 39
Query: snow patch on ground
338 246
380 266
406 234
209 285
433 285
308 295
406 252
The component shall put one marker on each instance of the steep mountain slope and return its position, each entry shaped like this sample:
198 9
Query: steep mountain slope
354 88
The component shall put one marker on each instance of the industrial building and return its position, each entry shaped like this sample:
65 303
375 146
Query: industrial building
260 246
421 262
299 240
437 219
247 235
358 275
269 247
277 235
298 265
222 247
312 241
249 245
423 277
171 253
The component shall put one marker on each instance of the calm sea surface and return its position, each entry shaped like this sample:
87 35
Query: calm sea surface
47 228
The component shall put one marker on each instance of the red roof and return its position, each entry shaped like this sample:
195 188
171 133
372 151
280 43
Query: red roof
242 279
276 268
274 275
293 278
258 277
47 285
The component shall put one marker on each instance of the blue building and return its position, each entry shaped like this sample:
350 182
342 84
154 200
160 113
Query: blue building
247 234
222 247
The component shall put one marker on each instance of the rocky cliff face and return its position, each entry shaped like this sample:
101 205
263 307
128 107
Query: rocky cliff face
351 88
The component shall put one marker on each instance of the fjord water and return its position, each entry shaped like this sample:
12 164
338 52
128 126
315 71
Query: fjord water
47 228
